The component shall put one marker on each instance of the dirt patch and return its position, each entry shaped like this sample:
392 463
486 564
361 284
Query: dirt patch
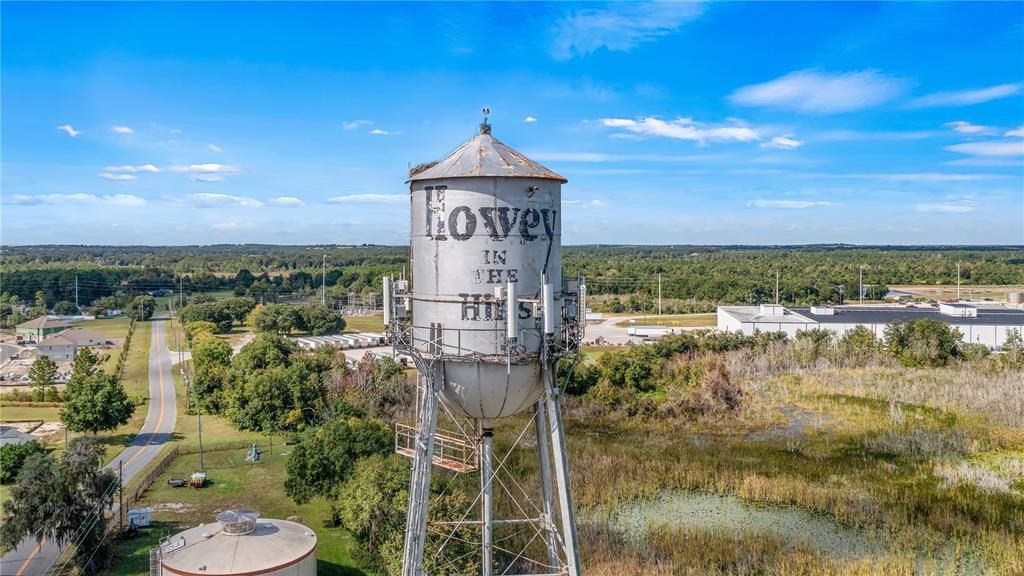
798 420
24 427
49 429
175 507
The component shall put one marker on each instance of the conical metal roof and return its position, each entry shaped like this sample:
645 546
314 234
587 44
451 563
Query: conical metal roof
483 155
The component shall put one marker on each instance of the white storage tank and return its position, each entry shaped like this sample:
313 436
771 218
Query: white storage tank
241 543
485 218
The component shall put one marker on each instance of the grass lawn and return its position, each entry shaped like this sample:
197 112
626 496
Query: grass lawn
374 323
676 320
234 483
23 413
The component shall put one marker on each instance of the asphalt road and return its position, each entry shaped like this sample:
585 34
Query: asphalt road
31 559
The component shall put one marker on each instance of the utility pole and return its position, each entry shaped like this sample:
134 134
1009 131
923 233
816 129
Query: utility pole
323 283
181 295
120 485
957 281
659 294
76 295
776 285
862 284
199 413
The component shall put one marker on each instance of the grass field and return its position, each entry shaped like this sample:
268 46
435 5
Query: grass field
374 323
675 321
24 413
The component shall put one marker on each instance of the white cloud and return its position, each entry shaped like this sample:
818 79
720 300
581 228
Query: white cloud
529 119
69 130
990 148
1019 132
213 200
859 135
122 130
951 207
967 97
369 199
813 92
379 132
787 204
209 168
117 177
683 129
967 128
289 201
133 169
353 124
226 226
586 203
79 198
619 27
786 142
214 148
207 178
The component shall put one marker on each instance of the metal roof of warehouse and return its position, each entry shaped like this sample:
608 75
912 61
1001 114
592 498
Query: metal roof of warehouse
986 316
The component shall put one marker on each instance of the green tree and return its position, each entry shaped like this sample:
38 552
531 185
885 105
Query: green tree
239 308
923 343
275 400
274 318
13 456
213 312
265 351
318 320
65 308
43 376
142 307
323 459
63 500
199 327
86 363
94 403
211 358
857 346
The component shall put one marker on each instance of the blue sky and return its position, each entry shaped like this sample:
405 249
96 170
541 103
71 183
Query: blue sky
675 123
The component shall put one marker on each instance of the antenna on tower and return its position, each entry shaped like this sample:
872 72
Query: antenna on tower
485 128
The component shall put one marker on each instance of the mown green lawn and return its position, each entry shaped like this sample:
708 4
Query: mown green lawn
373 323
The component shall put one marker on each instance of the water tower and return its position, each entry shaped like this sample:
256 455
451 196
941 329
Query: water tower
487 317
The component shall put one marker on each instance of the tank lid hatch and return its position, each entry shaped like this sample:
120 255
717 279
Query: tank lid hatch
238 521
483 155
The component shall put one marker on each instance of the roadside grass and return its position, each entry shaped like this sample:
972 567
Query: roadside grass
373 323
675 321
24 413
234 483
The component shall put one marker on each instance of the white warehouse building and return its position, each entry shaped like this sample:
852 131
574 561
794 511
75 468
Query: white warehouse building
986 325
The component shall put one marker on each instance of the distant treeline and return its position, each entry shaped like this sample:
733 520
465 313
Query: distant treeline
692 277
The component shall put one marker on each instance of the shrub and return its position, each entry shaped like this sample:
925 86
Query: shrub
12 456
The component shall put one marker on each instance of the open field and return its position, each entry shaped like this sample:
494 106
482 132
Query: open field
374 323
967 292
675 321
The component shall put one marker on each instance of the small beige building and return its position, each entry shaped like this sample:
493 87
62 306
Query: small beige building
58 348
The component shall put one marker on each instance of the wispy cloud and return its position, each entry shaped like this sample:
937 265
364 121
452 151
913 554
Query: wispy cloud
927 177
369 199
1017 132
683 129
586 203
122 130
951 207
990 148
542 156
214 148
787 142
862 135
967 128
966 97
133 169
287 201
212 200
117 177
619 27
66 199
69 130
813 92
529 119
379 132
353 124
226 226
788 204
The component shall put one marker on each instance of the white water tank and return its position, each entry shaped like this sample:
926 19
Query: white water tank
483 217
241 543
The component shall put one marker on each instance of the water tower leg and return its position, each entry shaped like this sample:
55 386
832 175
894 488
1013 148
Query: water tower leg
551 539
486 501
572 552
419 485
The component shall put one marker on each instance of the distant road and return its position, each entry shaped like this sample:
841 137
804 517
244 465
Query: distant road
30 559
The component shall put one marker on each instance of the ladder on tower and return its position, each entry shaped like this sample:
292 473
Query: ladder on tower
452 451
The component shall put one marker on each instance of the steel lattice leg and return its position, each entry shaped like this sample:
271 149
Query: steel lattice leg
551 538
486 501
554 409
419 486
